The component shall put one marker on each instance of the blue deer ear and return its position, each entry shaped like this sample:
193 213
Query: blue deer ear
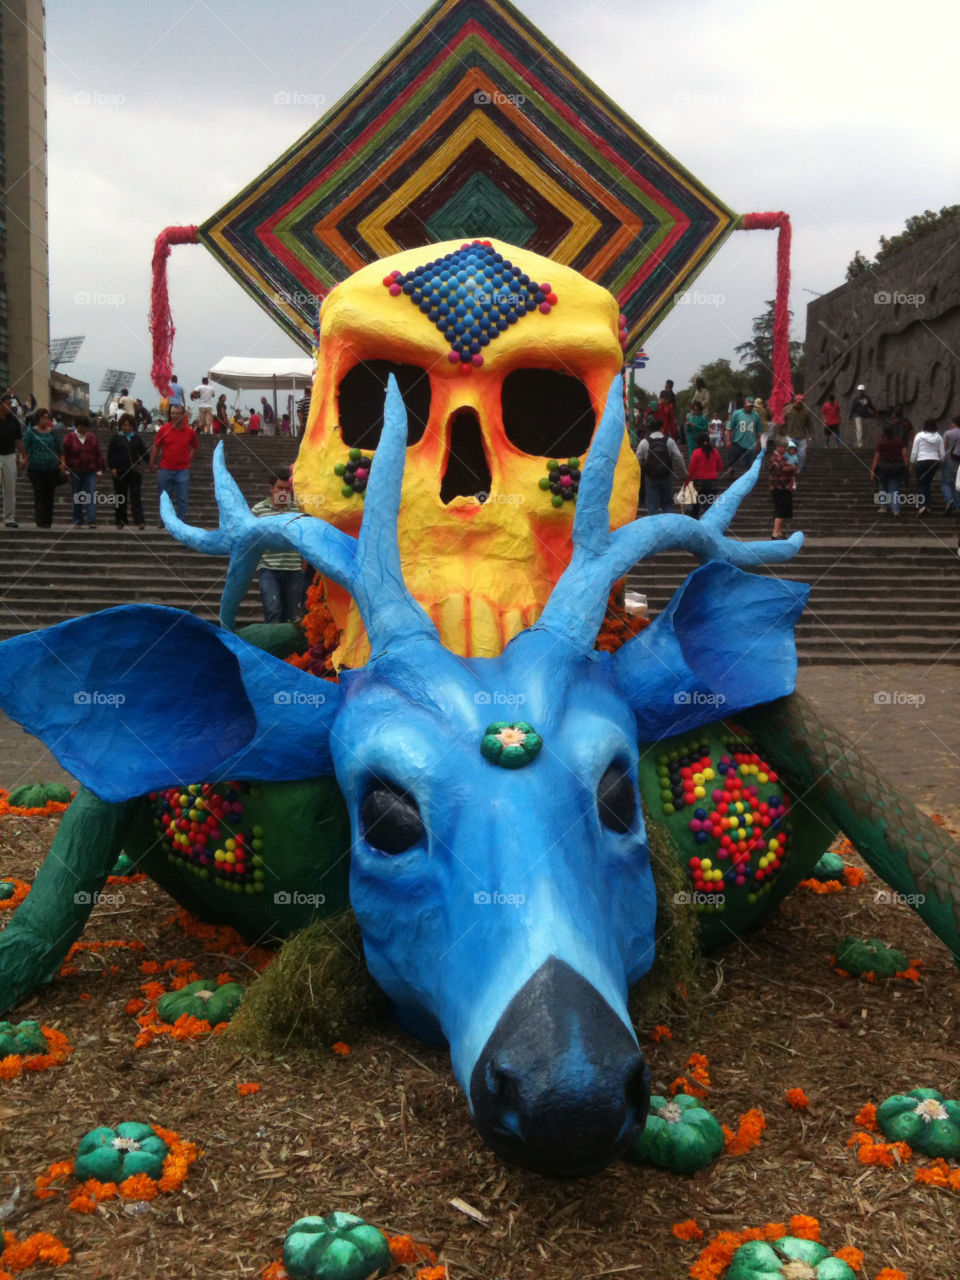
143 697
724 643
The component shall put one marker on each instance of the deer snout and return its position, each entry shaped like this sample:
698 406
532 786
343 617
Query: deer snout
561 1085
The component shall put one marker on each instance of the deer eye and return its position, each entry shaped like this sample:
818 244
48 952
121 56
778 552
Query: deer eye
617 799
391 819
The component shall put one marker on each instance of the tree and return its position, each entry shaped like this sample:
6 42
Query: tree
915 228
756 356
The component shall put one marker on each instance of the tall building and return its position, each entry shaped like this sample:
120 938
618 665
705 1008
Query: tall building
24 285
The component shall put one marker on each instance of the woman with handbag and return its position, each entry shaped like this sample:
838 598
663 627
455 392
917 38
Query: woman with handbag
888 469
703 473
45 466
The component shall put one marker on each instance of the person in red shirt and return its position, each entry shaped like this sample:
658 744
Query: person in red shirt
253 423
175 444
830 412
703 473
81 453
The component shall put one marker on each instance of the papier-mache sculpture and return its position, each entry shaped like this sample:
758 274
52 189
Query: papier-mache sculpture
499 865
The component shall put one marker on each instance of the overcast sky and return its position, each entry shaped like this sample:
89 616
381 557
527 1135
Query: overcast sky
842 112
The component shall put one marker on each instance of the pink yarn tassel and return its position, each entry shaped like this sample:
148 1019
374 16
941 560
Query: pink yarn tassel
161 321
782 392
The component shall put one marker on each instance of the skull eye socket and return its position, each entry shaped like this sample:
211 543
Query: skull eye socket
391 819
617 799
546 413
360 401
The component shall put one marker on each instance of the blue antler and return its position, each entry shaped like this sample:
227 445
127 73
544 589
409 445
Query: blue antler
578 601
368 566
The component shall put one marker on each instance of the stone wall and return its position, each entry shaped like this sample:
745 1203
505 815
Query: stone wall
897 330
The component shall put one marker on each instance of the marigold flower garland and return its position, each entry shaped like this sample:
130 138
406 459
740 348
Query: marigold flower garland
696 1081
223 939
186 1027
87 1195
751 1126
404 1251
41 1247
49 810
20 891
718 1254
58 1050
853 877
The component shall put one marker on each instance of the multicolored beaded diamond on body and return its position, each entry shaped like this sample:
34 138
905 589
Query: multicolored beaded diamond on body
472 296
202 828
354 473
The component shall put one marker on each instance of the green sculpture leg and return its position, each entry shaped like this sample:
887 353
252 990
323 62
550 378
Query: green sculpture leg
35 942
912 854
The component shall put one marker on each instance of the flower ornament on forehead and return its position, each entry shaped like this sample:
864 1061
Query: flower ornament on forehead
472 296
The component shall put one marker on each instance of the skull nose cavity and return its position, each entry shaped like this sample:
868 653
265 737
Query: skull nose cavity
560 1086
467 473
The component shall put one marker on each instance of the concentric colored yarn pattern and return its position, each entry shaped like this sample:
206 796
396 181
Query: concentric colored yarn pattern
472 296
473 125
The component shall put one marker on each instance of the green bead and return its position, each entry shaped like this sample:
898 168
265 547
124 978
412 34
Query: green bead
346 491
553 465
340 469
544 482
669 810
557 500
355 455
574 464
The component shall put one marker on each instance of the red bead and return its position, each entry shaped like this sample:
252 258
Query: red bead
552 299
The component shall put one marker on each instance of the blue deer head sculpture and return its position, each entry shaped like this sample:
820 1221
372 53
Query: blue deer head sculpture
500 871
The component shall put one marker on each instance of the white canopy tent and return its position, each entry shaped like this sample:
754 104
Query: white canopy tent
249 373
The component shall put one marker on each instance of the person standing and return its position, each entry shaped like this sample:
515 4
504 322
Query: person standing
269 418
44 464
126 404
902 426
703 472
174 445
222 413
81 453
783 476
798 424
126 454
658 454
667 410
830 413
11 447
694 426
700 403
279 573
951 465
763 413
861 408
889 467
745 427
253 423
207 397
177 395
925 457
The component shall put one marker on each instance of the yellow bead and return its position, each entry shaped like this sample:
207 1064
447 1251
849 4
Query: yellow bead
699 792
706 864
762 777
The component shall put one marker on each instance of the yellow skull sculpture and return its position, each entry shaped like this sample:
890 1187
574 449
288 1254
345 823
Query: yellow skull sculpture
484 532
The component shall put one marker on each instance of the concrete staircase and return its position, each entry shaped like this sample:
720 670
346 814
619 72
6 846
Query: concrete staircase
882 590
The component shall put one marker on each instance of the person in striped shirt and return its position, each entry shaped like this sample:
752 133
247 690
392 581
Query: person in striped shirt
279 573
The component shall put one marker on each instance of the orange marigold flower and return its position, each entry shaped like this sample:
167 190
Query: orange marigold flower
251 1086
223 979
853 877
687 1230
890 1273
138 1187
660 1033
134 1006
797 1099
432 1273
822 886
866 1117
405 1251
851 1256
804 1227
935 1174
82 1203
887 1154
150 967
41 1248
274 1271
752 1125
342 1049
153 990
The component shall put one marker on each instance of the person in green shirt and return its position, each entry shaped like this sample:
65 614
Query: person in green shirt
280 573
44 464
745 429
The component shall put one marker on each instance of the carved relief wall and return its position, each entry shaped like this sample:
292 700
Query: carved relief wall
897 330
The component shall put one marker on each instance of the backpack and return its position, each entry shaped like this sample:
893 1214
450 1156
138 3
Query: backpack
657 464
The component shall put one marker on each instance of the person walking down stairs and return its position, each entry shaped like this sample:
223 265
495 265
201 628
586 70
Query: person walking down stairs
45 466
925 459
81 453
126 455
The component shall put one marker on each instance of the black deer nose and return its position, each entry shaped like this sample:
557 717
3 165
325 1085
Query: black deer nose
561 1086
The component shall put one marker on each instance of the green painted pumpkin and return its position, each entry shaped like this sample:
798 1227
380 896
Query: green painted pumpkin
872 956
34 795
202 999
789 1258
924 1119
830 867
111 1155
338 1247
680 1135
21 1037
7 889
